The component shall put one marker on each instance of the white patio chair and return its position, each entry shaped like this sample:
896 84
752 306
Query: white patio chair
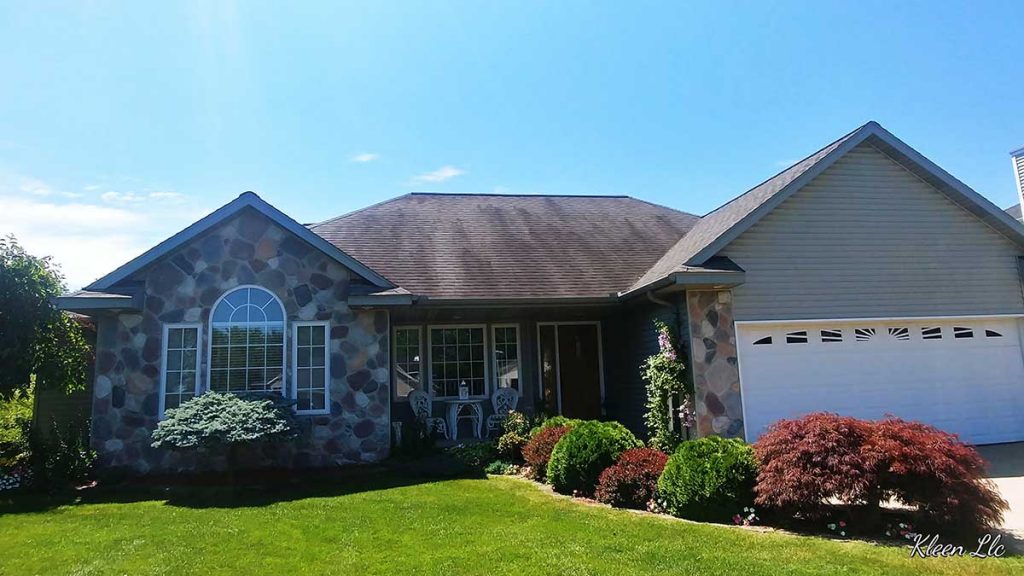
504 400
422 406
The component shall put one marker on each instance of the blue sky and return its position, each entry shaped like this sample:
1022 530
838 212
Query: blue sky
121 123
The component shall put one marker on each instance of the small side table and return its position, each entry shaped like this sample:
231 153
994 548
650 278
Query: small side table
455 408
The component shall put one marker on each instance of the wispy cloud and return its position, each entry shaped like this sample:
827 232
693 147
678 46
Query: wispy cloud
86 234
113 197
364 157
440 175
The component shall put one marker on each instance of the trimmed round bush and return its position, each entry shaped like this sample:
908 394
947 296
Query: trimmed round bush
581 455
537 451
632 482
709 479
555 422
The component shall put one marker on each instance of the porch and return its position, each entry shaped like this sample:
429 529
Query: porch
576 361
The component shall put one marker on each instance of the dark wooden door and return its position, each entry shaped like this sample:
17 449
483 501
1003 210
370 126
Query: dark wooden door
579 370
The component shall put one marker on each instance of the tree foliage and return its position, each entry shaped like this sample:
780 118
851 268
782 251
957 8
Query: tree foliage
665 374
36 339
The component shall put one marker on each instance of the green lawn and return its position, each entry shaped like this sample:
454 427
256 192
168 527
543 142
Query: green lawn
380 522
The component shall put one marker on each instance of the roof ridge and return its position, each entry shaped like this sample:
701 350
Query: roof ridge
519 194
314 225
791 166
656 205
357 211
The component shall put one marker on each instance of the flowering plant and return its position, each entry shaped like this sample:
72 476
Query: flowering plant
902 530
665 374
838 527
748 518
14 478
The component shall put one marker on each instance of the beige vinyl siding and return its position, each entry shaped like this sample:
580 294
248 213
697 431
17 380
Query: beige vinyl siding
867 238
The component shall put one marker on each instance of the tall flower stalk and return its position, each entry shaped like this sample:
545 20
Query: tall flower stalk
665 374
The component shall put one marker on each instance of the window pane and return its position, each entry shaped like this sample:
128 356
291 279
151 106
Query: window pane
180 354
218 380
188 382
174 359
318 400
220 337
188 359
310 366
457 356
173 382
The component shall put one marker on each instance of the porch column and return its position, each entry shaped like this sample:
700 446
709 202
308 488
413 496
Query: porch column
716 376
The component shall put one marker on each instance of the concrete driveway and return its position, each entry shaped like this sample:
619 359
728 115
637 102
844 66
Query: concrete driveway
1006 469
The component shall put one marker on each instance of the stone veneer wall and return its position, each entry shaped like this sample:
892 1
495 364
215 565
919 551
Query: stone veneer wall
716 376
182 287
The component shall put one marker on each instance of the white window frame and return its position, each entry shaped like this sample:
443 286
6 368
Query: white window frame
423 359
163 360
430 360
519 353
285 385
294 388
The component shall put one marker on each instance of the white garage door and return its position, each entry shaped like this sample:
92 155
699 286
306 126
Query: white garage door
964 376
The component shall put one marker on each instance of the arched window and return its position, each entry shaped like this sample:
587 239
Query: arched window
247 342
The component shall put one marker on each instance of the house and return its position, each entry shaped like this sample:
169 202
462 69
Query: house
863 279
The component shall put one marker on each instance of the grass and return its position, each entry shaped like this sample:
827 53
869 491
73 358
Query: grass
381 522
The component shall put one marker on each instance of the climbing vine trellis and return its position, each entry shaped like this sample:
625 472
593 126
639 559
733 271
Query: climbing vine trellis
665 373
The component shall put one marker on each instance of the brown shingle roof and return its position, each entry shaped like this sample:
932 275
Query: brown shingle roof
508 246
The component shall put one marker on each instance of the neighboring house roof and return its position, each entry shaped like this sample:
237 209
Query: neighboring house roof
724 224
92 300
491 246
1014 211
245 200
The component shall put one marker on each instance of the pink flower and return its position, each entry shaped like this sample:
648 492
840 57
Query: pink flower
842 523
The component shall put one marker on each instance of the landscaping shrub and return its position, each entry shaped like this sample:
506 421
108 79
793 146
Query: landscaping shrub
555 422
537 450
632 481
476 455
60 459
517 430
581 455
15 423
510 446
500 468
217 420
416 439
806 462
933 471
708 479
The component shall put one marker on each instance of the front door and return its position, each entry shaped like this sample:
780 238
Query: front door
571 368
